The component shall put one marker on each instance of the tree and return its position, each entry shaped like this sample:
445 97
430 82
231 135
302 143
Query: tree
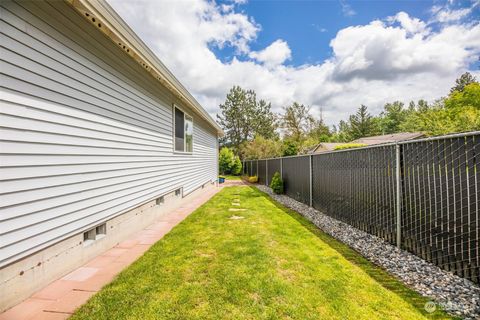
469 96
289 148
362 124
297 121
319 131
342 134
460 83
242 117
459 112
226 160
260 148
264 120
392 117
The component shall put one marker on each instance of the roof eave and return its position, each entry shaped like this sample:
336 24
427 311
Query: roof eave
102 15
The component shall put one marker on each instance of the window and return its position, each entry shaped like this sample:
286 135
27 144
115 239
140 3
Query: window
183 132
188 134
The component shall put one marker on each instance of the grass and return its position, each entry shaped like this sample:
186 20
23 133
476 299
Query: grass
229 177
273 264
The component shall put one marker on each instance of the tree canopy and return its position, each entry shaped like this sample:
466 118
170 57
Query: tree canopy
254 131
243 117
464 80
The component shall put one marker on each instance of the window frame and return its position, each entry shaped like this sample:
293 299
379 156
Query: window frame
173 130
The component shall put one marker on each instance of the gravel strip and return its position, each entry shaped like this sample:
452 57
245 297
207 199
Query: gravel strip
458 296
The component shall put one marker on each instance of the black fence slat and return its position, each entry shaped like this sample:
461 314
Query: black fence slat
273 167
296 178
262 171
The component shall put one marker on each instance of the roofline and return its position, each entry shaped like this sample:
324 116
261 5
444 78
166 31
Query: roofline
414 135
103 17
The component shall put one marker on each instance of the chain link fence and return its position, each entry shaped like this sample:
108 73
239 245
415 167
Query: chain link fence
440 209
357 187
422 195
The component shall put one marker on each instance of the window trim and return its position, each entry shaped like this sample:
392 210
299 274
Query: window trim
173 130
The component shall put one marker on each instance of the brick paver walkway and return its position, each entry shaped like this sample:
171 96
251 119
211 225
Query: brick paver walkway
230 183
59 299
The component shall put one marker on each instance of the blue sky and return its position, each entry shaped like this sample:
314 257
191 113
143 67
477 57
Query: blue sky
308 26
330 55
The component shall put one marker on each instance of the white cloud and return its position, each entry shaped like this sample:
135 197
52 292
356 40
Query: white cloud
379 52
273 55
400 58
347 9
448 14
411 25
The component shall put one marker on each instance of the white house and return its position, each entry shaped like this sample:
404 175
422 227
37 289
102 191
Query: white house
98 138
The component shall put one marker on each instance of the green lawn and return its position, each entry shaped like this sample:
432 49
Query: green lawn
272 264
228 177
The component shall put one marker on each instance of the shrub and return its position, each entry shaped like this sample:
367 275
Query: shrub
236 168
253 179
277 183
226 160
349 146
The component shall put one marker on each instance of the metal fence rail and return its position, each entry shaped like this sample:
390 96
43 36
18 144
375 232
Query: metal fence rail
422 195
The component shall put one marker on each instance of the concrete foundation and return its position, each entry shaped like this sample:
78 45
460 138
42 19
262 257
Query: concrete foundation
22 278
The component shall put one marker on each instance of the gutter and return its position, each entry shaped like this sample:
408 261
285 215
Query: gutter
100 14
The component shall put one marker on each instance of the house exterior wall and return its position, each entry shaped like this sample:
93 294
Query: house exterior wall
86 133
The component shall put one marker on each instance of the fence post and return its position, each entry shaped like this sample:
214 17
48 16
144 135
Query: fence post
281 168
311 178
399 196
257 168
266 172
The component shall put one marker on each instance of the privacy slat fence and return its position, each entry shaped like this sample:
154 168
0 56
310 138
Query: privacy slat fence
421 195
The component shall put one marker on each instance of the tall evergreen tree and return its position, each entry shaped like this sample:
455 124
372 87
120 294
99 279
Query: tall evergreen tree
362 124
243 117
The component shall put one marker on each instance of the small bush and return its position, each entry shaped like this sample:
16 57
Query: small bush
277 183
253 179
236 168
349 146
226 160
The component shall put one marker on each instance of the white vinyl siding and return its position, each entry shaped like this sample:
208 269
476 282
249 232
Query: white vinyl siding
86 133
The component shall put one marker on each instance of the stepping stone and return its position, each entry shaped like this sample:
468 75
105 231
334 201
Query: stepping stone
235 204
236 209
236 200
236 217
